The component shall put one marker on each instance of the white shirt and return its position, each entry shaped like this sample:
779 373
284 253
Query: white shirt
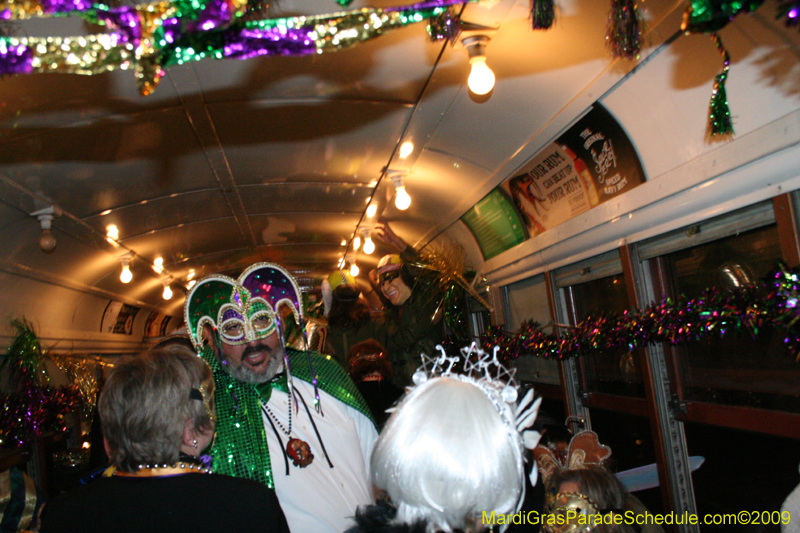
318 498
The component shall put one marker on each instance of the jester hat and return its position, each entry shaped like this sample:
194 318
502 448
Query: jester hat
244 309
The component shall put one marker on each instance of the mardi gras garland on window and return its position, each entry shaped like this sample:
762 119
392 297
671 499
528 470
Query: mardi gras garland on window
32 407
750 309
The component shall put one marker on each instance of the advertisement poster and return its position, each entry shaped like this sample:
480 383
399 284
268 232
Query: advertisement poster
156 325
495 224
118 318
589 164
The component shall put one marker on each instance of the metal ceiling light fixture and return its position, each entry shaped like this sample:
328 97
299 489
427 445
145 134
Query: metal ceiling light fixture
47 242
481 78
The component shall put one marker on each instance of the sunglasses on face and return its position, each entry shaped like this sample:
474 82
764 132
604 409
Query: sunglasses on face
388 276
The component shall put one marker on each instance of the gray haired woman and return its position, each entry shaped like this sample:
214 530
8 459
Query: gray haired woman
157 414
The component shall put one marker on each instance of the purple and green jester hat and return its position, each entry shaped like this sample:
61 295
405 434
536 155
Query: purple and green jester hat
245 309
240 311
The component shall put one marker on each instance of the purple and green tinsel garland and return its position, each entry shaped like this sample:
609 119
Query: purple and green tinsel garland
624 33
150 37
719 117
32 412
444 27
543 14
708 16
716 313
33 408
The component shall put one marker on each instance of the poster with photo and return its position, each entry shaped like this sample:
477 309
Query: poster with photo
118 318
592 162
156 325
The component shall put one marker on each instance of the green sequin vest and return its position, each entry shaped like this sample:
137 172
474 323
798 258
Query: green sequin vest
240 448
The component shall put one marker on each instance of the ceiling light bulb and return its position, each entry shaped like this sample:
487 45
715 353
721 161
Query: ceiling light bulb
481 78
402 200
356 242
126 275
158 264
112 234
191 274
47 242
369 246
191 284
167 294
371 210
405 149
354 270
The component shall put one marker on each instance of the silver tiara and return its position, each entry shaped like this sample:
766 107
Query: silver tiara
485 371
478 367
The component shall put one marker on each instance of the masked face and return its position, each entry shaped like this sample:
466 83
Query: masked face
571 512
394 288
254 362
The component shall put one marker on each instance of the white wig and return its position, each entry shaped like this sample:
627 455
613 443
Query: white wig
447 454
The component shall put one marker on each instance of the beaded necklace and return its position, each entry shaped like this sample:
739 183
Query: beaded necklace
164 470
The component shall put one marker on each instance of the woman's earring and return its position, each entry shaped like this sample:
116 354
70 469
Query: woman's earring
194 443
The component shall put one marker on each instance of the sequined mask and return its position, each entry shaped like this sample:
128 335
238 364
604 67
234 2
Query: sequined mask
242 310
571 512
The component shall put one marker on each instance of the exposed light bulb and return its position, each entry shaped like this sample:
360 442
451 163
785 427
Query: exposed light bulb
402 200
167 294
47 242
356 242
112 234
158 264
406 149
191 274
481 78
369 245
191 284
371 210
354 270
126 275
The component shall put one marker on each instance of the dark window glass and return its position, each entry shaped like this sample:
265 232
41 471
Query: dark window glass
742 471
615 371
527 300
736 369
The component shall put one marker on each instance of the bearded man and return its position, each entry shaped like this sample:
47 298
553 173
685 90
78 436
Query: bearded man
290 419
